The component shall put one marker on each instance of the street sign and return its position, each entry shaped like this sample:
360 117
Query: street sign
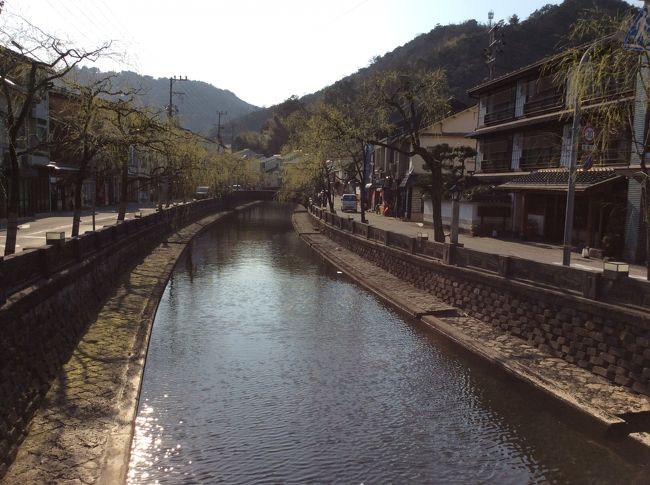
588 134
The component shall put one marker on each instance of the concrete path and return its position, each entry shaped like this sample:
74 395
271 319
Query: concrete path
541 252
590 401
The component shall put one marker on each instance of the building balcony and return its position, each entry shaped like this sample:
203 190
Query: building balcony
616 93
528 163
499 115
544 104
496 165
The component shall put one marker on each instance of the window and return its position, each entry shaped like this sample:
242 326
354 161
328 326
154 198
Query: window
541 149
41 130
542 94
497 154
500 106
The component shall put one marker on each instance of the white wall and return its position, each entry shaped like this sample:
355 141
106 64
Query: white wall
467 216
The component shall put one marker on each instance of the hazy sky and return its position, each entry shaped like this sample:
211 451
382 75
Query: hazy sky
262 50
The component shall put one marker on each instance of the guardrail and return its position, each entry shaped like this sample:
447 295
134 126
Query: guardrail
580 282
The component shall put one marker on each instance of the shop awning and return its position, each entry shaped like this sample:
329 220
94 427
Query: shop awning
557 180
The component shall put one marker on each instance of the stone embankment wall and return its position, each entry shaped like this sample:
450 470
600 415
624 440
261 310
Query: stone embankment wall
52 294
609 340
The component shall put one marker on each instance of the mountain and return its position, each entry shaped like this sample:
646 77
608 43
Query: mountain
458 48
197 105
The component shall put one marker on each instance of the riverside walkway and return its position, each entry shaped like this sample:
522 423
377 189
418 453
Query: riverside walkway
540 252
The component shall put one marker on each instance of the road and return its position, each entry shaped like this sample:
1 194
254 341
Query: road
31 233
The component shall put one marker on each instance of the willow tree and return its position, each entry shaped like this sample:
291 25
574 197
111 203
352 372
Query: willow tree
599 74
400 105
319 142
86 120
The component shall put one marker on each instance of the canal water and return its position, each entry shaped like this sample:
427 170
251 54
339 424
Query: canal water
266 365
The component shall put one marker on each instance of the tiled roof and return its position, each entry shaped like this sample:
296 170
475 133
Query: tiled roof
558 179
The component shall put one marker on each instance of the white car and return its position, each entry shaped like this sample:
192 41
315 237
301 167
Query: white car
348 203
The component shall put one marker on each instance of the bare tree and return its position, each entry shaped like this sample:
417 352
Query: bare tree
401 105
25 78
85 123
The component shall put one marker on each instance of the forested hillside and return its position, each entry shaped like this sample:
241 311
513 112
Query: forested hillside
458 48
197 106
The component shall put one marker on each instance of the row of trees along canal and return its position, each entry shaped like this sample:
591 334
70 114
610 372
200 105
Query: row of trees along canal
392 108
389 109
94 127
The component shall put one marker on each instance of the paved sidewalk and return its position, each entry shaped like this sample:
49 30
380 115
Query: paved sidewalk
541 252
31 230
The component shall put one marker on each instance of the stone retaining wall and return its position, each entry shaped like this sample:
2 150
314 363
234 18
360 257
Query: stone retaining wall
58 295
607 340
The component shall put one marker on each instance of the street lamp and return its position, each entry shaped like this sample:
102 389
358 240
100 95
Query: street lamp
455 191
571 186
52 167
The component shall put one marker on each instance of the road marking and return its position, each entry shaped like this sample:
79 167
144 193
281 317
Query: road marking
24 226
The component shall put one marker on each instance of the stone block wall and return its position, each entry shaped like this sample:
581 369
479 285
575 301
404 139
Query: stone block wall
608 340
61 292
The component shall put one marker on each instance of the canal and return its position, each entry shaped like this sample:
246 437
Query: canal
266 365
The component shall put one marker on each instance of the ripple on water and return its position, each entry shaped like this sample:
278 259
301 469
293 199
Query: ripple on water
266 366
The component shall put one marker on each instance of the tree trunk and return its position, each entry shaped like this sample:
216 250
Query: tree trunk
12 203
76 215
436 205
645 201
124 192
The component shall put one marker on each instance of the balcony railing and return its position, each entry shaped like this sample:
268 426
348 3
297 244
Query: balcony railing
613 93
542 104
500 114
537 161
496 165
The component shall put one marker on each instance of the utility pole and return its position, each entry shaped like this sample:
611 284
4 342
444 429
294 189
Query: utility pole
495 44
219 113
170 106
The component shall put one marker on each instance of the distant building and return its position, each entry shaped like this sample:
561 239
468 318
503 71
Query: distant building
397 178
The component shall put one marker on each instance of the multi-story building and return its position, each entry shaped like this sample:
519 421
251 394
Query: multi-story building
397 177
524 148
32 147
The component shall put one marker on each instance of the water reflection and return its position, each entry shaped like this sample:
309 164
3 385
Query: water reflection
266 366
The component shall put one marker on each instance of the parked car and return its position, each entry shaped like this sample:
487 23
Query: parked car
202 192
348 203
